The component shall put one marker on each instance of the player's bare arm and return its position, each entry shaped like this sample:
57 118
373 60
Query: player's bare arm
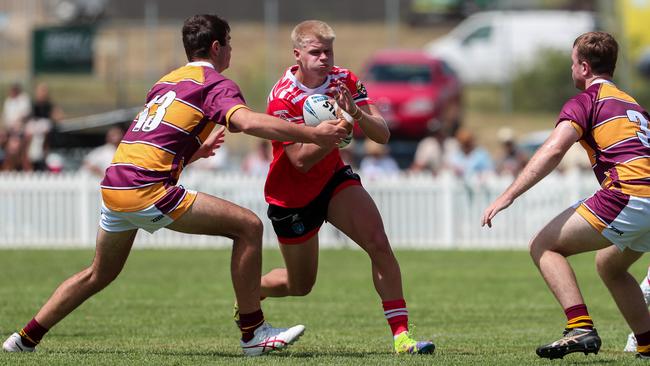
210 145
304 156
540 165
272 128
368 117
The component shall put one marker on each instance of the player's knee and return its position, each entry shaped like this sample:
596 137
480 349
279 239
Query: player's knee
302 289
250 226
607 269
97 280
378 244
536 247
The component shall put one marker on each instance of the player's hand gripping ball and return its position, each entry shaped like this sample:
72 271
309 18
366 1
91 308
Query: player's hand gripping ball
318 108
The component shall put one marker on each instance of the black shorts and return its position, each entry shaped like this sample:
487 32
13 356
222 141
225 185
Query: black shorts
296 225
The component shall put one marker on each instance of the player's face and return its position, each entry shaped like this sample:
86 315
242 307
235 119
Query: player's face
577 70
223 55
316 57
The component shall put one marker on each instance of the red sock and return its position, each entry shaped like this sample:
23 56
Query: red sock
32 333
578 317
397 315
248 323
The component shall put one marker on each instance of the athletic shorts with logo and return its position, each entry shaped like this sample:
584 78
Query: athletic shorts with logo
296 225
622 219
175 201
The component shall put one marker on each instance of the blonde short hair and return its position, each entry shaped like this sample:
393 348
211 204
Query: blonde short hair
310 29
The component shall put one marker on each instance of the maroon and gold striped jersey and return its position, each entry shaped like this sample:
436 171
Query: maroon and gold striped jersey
182 109
614 131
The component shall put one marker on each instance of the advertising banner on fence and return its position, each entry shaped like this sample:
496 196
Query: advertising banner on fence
67 49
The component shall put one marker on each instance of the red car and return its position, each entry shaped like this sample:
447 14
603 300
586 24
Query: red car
414 91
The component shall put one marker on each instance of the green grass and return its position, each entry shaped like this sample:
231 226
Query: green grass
173 307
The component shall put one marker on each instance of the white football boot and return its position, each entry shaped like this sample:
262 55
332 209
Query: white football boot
15 344
269 339
630 346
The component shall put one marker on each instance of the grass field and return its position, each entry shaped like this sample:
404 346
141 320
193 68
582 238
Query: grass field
173 307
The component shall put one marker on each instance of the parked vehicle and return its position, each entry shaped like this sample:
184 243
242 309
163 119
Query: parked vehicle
413 90
490 47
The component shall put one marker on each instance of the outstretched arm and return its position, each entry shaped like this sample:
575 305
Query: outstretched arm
547 157
273 128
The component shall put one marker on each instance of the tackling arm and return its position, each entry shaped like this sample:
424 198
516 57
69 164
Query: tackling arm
272 128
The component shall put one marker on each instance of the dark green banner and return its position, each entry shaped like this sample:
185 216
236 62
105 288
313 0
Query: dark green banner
63 49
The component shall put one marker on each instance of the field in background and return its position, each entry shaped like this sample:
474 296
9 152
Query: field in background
173 307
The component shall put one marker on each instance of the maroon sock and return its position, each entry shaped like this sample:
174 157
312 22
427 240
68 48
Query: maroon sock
248 323
32 333
643 343
578 317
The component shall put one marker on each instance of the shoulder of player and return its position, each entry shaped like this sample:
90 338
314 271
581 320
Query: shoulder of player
284 90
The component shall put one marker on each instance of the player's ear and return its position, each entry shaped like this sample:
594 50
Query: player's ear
296 54
214 47
585 68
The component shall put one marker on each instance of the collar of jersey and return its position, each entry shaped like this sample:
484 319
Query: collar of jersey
200 63
318 90
601 80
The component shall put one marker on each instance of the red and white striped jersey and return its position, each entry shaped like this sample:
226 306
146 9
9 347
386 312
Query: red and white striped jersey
285 185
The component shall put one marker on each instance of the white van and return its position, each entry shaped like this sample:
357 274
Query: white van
490 47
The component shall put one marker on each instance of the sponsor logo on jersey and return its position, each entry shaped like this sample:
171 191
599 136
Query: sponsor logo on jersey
282 113
157 218
361 89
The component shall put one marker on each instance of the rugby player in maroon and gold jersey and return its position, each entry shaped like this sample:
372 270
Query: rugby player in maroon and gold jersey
308 184
140 191
613 129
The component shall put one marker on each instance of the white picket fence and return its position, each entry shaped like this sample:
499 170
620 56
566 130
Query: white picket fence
43 210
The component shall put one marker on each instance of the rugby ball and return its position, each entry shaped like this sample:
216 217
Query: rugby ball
318 108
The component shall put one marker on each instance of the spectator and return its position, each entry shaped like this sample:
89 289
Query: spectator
99 158
16 109
513 159
257 161
469 161
432 151
43 107
15 157
377 162
40 126
4 136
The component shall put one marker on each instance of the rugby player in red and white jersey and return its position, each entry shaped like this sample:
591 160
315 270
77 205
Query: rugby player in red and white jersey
140 190
613 129
308 184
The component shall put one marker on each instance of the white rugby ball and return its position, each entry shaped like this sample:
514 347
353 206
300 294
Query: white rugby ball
318 108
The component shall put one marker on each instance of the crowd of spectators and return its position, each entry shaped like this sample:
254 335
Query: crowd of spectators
27 125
